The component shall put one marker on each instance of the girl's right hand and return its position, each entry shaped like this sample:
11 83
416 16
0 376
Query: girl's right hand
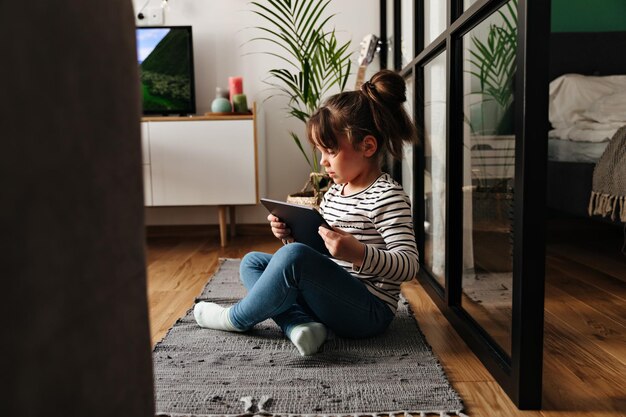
279 229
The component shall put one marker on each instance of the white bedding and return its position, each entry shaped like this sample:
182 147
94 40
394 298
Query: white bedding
575 151
578 134
587 108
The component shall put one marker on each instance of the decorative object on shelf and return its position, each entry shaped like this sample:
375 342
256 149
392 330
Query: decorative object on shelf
222 92
235 86
221 105
240 103
317 62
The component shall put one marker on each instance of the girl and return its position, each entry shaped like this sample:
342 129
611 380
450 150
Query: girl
355 292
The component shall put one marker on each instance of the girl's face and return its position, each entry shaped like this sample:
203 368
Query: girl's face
347 165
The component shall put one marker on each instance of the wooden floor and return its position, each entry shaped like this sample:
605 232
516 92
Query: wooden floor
585 329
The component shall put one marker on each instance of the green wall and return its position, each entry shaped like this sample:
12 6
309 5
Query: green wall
588 15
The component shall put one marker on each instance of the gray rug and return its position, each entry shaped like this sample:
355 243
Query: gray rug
492 290
201 372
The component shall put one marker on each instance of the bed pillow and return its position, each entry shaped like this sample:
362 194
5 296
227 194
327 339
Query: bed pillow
572 94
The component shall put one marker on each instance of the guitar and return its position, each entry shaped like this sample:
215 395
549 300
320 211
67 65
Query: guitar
369 46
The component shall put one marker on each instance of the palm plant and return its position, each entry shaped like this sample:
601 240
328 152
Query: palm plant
494 62
315 61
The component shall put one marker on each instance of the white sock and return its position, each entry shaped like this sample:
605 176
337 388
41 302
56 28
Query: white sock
308 337
213 316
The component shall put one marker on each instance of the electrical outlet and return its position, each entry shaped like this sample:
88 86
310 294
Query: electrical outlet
154 16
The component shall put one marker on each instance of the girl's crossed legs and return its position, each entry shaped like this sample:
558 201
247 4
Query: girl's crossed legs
301 290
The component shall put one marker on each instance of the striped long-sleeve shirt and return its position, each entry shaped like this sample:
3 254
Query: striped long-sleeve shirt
379 217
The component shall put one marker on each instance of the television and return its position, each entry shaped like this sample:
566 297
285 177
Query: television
165 55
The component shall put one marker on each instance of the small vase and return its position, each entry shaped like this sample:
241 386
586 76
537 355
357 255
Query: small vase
221 105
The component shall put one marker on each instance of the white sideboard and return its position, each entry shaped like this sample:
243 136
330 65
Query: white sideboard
207 160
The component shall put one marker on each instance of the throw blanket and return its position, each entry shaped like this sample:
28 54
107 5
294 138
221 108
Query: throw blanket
608 193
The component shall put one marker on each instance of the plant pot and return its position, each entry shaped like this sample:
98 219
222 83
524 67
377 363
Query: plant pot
313 191
304 198
492 230
491 209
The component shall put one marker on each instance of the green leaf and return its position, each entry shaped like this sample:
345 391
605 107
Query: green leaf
494 57
296 139
316 61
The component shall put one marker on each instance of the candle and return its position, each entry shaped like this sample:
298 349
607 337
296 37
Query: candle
235 86
240 103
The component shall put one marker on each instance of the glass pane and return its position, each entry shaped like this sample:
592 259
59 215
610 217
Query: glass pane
390 40
407 161
407 42
435 19
435 167
488 159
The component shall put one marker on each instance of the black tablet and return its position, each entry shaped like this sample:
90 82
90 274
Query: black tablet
302 220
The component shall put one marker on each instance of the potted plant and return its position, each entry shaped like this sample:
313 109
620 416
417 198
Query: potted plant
315 63
493 67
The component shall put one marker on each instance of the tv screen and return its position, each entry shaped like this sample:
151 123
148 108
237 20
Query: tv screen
165 55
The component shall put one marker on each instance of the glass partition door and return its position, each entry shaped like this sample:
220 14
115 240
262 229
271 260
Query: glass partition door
489 66
479 81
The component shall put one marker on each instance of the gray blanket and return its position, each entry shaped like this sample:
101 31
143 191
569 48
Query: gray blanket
608 193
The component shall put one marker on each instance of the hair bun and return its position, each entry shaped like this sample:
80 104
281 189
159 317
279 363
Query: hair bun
387 87
366 87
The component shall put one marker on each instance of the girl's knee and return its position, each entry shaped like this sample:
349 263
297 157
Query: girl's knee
252 261
301 257
295 253
248 260
295 250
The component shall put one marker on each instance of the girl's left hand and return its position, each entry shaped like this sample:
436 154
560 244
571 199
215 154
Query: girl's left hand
342 245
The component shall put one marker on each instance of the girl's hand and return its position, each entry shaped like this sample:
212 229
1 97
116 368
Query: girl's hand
342 245
279 229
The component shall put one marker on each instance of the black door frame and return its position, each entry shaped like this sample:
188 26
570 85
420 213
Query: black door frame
519 374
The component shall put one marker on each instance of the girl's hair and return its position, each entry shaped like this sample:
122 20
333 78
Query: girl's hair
376 109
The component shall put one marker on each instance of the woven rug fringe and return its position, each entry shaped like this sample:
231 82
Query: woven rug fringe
267 414
607 205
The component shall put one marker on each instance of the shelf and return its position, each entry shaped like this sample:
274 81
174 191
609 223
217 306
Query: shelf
208 116
205 116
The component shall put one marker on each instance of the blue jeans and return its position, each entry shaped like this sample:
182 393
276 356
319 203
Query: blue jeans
299 285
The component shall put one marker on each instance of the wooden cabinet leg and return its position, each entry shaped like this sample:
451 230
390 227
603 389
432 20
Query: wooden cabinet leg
233 221
222 220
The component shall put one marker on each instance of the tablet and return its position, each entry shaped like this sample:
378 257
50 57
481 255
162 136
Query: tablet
302 220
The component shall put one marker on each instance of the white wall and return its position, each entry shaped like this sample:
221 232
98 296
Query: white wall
221 30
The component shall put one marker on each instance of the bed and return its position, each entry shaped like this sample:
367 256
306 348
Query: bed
572 156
